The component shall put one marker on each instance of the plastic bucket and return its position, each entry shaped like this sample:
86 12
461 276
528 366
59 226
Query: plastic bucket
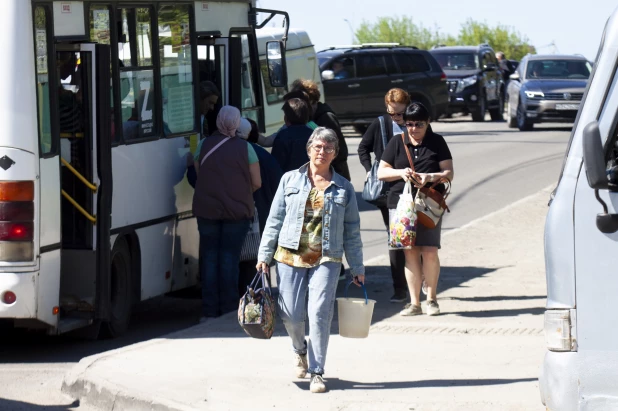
354 315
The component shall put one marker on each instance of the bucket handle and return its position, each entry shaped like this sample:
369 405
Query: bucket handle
364 289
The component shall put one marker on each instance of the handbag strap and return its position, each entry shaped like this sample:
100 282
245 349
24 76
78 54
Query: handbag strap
225 140
383 132
444 180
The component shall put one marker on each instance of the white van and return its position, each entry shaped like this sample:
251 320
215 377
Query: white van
580 369
301 62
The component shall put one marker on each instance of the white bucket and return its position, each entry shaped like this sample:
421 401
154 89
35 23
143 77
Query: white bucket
354 315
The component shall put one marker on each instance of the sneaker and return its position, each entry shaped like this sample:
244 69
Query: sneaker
300 365
203 319
317 384
410 310
399 296
433 308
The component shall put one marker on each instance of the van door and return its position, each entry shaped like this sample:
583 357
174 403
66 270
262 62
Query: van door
343 93
374 74
596 262
85 182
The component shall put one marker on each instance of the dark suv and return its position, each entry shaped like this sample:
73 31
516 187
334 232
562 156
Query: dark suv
356 78
474 80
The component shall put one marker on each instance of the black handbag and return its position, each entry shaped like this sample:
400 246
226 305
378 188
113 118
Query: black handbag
375 190
257 308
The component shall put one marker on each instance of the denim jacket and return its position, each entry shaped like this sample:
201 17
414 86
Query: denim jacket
341 221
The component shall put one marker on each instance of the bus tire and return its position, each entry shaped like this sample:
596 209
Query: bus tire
121 294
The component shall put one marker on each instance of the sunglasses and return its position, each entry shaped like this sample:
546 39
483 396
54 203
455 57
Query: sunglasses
327 150
417 124
394 114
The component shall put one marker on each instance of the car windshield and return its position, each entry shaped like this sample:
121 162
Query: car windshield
558 69
457 61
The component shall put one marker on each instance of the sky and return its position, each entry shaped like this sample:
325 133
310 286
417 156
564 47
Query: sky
575 27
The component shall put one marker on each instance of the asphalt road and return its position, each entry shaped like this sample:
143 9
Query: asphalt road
494 166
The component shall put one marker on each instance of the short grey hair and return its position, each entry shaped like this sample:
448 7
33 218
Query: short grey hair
326 135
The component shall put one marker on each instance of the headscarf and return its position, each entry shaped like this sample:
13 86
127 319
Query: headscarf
228 120
244 129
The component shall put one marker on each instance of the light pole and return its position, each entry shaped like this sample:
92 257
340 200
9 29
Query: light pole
351 29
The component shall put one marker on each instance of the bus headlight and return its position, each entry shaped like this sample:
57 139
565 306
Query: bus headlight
558 330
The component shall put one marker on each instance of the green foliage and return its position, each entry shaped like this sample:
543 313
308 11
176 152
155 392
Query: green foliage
404 31
401 30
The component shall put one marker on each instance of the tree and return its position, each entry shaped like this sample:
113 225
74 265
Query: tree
404 31
400 30
500 38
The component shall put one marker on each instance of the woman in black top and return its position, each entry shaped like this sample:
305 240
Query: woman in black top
432 161
396 101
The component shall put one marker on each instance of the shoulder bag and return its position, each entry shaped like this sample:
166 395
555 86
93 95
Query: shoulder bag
429 203
375 190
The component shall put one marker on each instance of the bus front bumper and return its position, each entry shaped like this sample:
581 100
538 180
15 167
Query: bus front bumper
23 286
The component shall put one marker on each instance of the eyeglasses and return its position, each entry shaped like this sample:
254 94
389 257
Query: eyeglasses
417 124
394 114
327 150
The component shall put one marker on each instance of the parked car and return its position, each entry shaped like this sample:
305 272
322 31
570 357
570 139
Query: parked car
474 80
356 78
546 88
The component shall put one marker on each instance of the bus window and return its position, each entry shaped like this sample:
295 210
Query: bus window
42 72
136 74
100 33
176 72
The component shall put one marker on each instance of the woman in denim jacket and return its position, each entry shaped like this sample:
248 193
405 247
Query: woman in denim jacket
313 219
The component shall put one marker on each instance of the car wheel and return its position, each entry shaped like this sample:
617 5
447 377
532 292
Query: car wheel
497 113
478 113
511 121
523 124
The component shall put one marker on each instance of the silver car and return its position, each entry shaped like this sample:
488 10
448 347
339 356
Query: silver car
546 88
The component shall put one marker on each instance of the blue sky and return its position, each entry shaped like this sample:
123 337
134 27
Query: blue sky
574 26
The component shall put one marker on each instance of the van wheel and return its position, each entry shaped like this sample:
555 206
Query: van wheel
522 123
121 294
478 113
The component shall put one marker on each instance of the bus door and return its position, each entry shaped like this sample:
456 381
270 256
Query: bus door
84 130
211 59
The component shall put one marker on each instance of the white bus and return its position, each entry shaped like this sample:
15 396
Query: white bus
100 107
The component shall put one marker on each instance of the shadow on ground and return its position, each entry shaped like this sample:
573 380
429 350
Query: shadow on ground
335 384
10 405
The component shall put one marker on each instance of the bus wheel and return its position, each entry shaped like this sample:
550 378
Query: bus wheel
121 295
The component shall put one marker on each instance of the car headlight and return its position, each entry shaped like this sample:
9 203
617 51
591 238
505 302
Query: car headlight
535 94
466 82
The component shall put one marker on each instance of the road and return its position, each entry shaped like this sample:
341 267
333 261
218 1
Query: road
494 166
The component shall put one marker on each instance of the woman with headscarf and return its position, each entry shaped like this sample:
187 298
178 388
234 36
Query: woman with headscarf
228 172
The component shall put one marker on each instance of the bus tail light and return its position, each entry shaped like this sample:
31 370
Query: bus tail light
16 190
16 221
558 335
9 298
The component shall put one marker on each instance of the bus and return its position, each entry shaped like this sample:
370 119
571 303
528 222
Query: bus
100 113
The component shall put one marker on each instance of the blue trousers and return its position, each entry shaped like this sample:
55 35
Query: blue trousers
220 245
318 285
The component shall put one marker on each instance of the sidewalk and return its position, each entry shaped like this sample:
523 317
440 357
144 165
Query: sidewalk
483 353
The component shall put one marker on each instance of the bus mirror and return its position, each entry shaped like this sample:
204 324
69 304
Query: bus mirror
594 157
275 59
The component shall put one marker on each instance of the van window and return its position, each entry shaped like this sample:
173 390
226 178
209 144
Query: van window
412 63
368 65
343 68
249 107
